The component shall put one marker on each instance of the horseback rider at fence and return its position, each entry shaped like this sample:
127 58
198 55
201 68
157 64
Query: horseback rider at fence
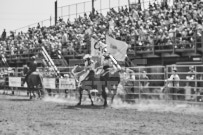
32 68
144 84
172 83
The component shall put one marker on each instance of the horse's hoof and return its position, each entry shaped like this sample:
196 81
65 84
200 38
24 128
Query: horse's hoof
78 104
92 104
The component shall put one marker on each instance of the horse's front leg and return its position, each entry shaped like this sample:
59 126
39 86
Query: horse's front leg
114 93
30 93
33 92
90 97
43 91
112 98
104 95
80 95
39 92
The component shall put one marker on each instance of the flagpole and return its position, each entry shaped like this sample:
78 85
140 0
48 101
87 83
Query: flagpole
115 62
130 61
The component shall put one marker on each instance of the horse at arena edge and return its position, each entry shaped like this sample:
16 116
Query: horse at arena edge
35 83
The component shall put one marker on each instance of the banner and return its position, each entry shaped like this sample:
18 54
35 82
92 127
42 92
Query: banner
49 83
14 81
116 48
67 83
97 47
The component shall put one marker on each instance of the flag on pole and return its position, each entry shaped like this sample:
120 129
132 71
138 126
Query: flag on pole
116 48
97 47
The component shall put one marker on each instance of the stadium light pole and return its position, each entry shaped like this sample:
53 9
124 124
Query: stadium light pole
93 7
129 3
55 6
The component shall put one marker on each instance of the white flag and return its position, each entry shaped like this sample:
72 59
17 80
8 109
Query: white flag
97 47
116 48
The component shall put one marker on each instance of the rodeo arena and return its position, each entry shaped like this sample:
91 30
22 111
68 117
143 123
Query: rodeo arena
105 67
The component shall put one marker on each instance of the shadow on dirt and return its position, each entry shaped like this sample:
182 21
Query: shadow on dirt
18 100
76 107
15 100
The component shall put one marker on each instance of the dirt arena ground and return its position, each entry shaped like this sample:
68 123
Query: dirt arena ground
53 116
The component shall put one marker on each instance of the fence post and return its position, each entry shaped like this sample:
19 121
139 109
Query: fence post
195 42
174 45
166 77
139 86
196 93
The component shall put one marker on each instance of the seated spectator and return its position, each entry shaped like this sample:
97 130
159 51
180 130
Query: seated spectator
162 25
64 39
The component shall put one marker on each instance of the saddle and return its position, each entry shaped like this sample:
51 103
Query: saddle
34 74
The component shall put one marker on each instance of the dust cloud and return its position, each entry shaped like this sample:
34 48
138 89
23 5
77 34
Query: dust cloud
159 106
59 99
142 105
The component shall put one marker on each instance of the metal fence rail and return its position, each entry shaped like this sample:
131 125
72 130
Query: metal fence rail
133 89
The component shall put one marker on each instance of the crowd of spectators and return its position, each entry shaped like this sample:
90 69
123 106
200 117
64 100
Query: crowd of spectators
160 25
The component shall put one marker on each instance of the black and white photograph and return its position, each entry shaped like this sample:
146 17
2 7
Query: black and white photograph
101 67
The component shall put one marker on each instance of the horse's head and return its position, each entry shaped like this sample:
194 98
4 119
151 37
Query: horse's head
25 69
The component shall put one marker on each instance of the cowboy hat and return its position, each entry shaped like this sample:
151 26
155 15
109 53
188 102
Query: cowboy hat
87 56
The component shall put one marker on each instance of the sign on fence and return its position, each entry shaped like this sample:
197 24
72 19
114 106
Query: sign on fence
67 83
14 81
49 83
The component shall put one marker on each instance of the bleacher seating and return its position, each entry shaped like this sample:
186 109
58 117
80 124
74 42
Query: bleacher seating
160 31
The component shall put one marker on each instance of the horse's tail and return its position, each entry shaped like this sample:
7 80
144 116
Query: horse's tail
40 80
42 85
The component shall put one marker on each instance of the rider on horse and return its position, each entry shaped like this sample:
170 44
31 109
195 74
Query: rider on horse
32 68
109 64
89 65
88 71
109 76
86 76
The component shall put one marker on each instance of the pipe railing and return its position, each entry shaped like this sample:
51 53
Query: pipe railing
156 88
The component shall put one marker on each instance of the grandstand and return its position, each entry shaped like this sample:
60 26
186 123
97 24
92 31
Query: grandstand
158 37
162 34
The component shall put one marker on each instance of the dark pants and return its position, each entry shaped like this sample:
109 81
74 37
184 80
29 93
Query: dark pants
173 92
